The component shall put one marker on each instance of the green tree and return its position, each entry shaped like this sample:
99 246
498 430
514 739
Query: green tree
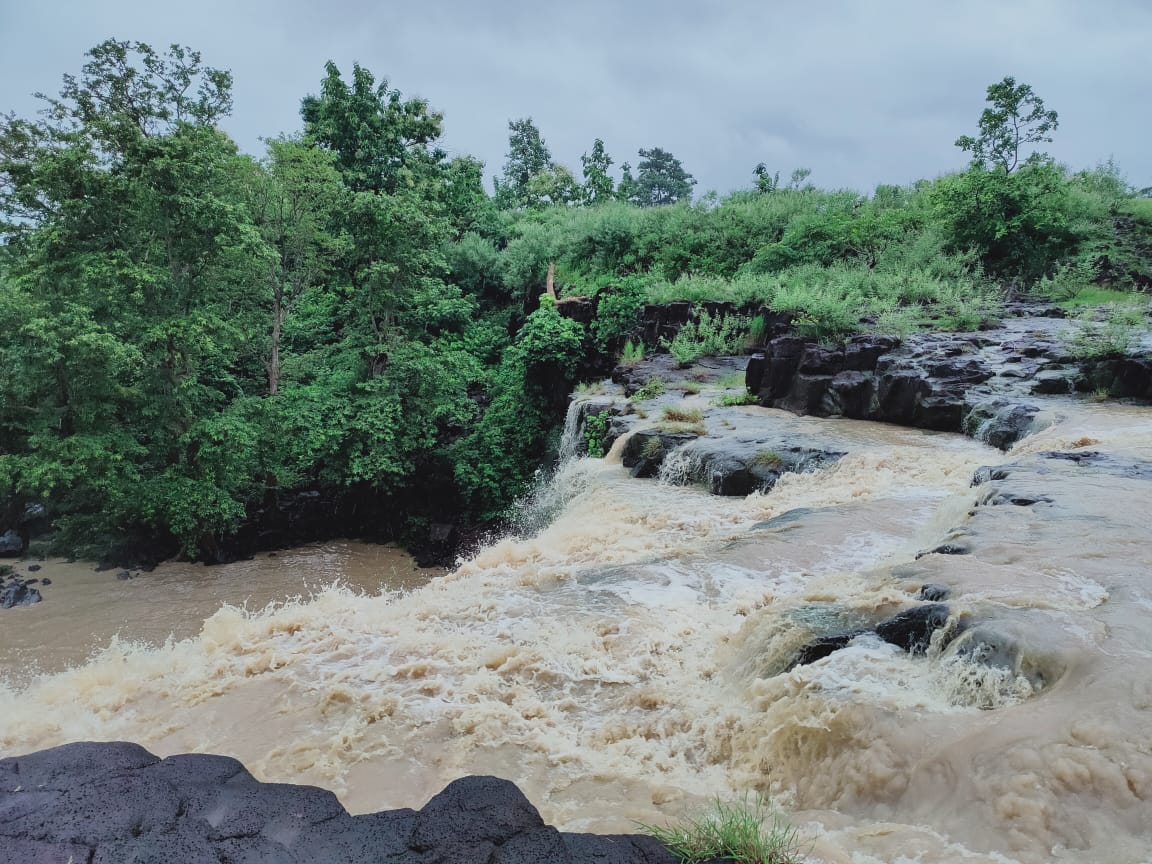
295 199
528 156
598 186
130 322
382 142
1016 117
627 188
661 179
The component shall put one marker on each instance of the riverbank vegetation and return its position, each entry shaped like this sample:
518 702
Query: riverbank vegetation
188 331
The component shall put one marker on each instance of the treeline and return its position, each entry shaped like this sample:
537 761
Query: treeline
187 332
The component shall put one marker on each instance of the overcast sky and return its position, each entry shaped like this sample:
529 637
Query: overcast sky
860 91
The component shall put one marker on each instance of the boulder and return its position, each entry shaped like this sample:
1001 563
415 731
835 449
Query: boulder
18 593
11 544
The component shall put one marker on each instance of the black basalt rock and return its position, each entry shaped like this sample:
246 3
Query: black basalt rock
912 629
116 803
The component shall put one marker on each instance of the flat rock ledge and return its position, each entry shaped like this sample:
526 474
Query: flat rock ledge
116 803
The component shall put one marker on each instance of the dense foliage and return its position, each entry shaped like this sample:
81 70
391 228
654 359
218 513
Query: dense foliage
186 330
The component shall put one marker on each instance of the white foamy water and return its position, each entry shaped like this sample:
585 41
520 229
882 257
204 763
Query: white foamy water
626 662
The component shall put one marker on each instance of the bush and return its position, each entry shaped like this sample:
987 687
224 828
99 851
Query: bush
595 427
706 336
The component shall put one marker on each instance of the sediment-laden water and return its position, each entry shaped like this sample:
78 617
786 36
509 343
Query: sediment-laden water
627 662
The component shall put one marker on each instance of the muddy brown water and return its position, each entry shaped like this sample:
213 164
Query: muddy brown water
625 663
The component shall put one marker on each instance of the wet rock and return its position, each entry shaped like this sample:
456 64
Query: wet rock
11 544
1052 381
934 593
45 580
34 568
912 629
18 593
999 422
989 473
946 549
124 575
117 803
1018 500
820 648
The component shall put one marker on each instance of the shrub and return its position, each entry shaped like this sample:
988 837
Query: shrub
1116 336
707 336
653 388
633 353
595 427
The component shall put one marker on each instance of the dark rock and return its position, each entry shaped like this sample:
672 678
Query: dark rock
118 804
850 394
124 576
946 549
18 594
820 648
11 544
474 810
1018 500
1051 381
988 473
34 568
45 580
999 422
912 629
934 593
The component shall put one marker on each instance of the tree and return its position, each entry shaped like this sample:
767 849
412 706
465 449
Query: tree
294 200
1017 117
382 142
627 187
661 179
598 186
528 156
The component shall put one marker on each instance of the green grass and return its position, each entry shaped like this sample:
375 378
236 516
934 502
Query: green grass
675 427
1141 208
676 414
690 387
653 388
747 832
1096 296
730 399
768 459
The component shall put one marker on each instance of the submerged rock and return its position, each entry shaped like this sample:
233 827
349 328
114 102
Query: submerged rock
912 629
820 648
116 802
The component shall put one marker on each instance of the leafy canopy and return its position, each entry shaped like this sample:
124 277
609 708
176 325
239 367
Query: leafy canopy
1016 117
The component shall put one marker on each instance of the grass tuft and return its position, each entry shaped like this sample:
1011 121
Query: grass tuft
653 388
676 414
747 832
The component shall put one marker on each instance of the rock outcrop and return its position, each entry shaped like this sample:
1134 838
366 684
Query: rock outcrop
116 803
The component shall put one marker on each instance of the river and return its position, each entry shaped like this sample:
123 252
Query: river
627 662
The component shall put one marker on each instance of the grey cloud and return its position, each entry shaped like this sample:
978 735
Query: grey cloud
860 91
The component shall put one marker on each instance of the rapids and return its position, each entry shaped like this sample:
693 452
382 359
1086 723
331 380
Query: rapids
625 662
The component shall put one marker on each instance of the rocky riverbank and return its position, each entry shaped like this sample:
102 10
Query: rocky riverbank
116 803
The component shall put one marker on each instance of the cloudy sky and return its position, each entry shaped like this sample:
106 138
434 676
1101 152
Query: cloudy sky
860 91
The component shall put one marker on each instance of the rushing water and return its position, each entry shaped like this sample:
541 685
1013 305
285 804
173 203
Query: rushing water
626 662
